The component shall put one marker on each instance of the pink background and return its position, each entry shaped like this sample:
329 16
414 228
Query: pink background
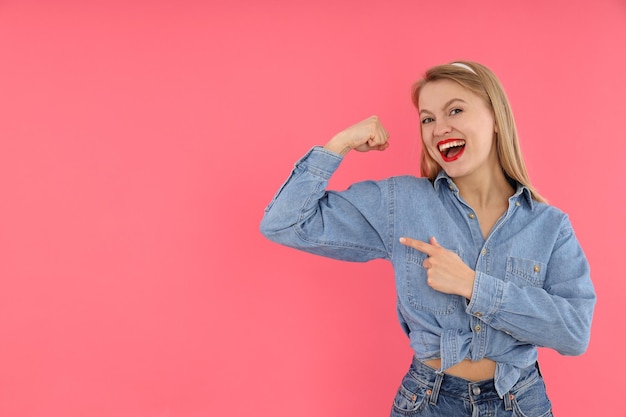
141 140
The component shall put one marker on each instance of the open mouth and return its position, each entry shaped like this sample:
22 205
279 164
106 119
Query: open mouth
451 149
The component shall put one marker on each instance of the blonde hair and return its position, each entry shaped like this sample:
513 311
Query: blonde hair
481 81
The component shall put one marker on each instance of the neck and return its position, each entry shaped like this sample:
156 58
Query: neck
483 191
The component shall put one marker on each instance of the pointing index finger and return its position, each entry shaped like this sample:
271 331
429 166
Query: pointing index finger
419 245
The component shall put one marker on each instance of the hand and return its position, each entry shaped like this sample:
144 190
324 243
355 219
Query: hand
367 135
446 271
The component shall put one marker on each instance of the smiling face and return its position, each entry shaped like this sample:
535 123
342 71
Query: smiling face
458 129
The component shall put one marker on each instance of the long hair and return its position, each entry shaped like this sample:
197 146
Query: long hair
481 81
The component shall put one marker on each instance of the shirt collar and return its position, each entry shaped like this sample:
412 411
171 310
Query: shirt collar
522 192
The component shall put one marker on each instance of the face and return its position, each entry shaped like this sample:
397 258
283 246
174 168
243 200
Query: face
458 129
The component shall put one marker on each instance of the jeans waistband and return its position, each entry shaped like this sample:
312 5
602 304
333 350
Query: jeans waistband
460 387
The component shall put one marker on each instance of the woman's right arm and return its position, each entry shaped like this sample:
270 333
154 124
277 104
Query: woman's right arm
352 225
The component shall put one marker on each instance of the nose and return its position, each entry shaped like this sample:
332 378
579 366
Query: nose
442 127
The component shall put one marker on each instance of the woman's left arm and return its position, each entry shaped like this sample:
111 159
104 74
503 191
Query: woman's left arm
556 315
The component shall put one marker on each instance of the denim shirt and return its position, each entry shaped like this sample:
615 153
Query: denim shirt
532 285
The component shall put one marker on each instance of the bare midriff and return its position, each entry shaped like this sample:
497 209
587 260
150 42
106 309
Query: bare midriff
466 369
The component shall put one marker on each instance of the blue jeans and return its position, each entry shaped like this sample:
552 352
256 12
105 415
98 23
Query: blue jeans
425 393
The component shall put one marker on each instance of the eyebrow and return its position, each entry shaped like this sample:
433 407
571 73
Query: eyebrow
448 103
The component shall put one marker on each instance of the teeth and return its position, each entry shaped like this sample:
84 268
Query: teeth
452 144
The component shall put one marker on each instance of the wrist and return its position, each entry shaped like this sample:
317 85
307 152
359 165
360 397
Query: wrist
337 147
470 285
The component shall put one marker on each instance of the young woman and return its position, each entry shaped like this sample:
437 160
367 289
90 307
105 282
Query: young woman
485 270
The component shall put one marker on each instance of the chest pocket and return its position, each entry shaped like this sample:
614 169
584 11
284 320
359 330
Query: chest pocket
525 272
420 296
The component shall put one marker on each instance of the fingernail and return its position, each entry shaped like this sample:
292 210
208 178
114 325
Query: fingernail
402 240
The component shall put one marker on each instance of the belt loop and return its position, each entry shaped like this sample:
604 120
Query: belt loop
437 385
507 401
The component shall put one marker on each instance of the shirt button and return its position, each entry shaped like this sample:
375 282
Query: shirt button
537 268
483 252
475 390
472 216
478 314
451 187
517 203
478 328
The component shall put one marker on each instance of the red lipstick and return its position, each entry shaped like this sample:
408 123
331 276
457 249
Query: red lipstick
451 149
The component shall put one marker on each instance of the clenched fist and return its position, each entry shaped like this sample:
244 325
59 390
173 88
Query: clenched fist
367 135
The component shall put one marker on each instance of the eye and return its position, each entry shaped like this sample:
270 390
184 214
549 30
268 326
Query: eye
455 111
427 120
